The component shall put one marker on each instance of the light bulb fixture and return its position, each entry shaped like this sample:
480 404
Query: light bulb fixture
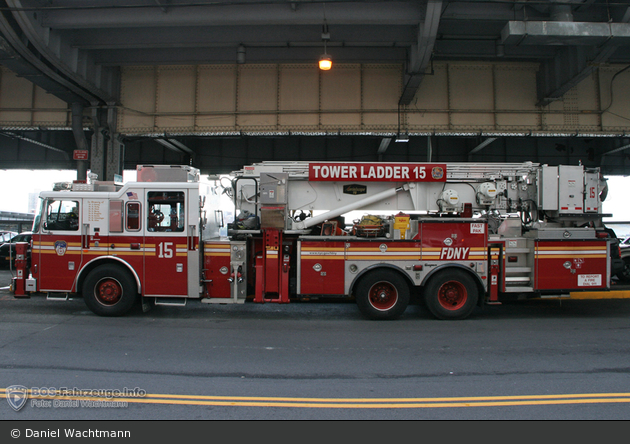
325 61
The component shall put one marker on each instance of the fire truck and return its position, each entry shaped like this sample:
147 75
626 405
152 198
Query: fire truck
452 235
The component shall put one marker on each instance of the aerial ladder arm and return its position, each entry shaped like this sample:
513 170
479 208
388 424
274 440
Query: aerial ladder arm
312 221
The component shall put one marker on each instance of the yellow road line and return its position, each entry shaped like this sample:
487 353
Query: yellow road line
612 294
475 398
360 403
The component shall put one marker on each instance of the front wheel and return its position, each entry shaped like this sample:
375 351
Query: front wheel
109 291
382 295
451 294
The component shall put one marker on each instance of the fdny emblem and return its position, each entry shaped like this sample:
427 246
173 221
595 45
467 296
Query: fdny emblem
437 173
61 247
17 395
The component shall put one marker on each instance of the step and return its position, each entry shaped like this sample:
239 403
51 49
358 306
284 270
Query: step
518 270
173 302
510 279
519 289
222 301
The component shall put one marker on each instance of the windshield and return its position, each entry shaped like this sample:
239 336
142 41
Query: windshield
38 216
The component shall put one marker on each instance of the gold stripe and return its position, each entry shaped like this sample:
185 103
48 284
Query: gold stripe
324 257
389 249
567 256
71 252
309 248
557 247
358 258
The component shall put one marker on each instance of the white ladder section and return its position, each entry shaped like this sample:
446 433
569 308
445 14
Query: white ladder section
454 170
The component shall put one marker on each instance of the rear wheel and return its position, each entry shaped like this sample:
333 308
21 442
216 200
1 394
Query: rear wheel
382 295
624 275
451 294
109 290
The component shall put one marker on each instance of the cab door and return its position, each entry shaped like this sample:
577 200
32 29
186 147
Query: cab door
60 244
166 242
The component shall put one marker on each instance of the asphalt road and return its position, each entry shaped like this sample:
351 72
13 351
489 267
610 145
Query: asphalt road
531 360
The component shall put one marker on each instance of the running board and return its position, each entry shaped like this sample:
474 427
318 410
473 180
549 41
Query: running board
173 302
222 301
57 296
518 289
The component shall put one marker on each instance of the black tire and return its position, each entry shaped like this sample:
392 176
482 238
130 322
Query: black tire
382 295
624 276
451 294
109 290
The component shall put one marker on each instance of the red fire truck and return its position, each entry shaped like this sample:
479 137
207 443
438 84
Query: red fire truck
457 235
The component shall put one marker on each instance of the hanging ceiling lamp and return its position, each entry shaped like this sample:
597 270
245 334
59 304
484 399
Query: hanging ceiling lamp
325 62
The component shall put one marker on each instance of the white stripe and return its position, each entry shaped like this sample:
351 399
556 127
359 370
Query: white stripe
587 252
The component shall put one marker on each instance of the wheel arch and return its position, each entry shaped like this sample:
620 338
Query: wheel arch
480 286
104 260
380 266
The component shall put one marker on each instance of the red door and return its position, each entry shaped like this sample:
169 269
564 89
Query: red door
571 265
166 244
322 267
59 245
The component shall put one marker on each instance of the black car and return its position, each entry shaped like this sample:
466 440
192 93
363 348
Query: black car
7 250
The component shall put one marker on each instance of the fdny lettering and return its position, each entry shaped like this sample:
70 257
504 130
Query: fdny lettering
454 253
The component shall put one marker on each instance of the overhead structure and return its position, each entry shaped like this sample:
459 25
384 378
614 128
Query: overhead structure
73 48
80 55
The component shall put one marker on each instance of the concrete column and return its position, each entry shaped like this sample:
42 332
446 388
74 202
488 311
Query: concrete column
80 139
97 154
115 151
561 13
107 148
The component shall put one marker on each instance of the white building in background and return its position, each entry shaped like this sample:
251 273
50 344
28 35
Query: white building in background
33 201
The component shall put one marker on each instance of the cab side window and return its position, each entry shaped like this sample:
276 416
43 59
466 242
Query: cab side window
166 211
62 215
133 216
